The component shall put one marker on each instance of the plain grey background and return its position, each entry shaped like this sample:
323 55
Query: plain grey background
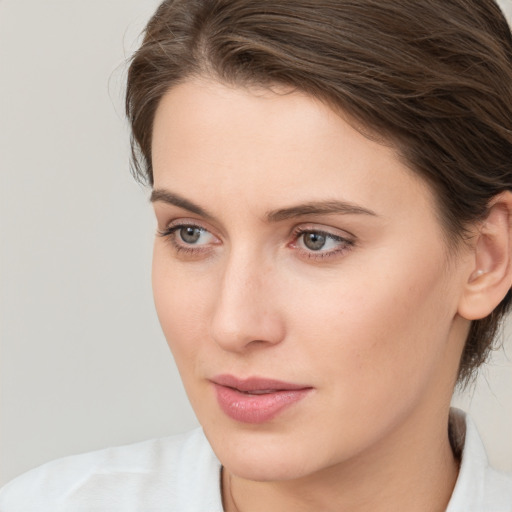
83 362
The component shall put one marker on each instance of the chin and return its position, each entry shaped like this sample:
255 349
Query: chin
262 469
265 456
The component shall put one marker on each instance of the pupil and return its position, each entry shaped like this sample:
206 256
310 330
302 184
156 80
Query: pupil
314 241
190 234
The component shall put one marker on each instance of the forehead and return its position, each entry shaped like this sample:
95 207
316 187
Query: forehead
265 148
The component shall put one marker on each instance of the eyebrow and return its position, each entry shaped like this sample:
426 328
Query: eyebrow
310 208
318 208
165 196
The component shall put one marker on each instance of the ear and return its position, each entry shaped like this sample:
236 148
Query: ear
490 273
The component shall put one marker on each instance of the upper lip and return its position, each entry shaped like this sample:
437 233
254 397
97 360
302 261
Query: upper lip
256 384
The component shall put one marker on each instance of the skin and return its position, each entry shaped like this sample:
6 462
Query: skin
371 321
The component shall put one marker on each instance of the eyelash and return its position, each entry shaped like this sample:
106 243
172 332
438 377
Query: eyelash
170 235
345 244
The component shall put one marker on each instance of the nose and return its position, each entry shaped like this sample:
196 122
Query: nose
246 313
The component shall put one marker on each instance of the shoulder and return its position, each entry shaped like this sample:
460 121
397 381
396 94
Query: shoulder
160 474
479 487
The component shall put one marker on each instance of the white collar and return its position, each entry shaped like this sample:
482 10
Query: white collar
479 488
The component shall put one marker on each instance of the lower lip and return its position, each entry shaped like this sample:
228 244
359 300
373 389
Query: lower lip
256 408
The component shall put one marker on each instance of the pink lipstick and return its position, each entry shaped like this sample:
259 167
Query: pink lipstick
256 400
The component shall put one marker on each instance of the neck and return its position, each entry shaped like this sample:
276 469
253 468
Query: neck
412 469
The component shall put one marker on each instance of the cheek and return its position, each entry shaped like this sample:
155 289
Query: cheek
180 299
379 327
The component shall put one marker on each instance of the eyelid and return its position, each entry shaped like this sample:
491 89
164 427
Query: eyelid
345 242
189 222
322 228
181 248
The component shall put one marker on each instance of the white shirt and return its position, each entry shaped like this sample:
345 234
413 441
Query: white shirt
182 474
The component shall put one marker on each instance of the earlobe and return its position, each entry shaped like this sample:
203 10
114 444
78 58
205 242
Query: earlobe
490 275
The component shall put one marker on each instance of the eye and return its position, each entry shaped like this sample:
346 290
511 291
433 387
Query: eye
189 238
313 243
192 234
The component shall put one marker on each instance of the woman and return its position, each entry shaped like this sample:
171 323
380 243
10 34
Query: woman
331 182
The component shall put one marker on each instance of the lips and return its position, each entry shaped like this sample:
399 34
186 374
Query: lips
256 400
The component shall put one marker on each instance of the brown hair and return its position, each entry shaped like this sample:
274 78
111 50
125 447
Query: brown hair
432 77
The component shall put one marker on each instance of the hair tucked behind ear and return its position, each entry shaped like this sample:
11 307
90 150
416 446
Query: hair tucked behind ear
431 77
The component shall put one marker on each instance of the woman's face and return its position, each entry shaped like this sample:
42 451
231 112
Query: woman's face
301 279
